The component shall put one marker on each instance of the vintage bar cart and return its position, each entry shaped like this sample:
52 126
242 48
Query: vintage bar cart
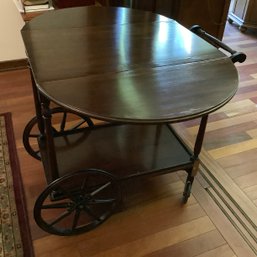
137 72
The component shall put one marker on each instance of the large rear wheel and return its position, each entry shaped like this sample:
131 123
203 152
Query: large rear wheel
77 202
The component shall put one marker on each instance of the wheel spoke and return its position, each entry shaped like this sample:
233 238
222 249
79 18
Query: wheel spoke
63 122
65 194
76 219
100 189
83 187
55 205
101 201
91 213
54 130
89 122
78 125
61 217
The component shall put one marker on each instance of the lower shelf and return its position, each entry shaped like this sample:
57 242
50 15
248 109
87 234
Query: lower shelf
126 151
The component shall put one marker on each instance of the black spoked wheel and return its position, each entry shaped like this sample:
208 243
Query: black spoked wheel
62 121
77 203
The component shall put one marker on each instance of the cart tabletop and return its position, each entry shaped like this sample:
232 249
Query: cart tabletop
126 65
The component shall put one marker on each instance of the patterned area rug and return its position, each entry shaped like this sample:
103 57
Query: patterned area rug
13 216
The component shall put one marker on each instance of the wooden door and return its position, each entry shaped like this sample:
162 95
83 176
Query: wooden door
240 8
211 15
146 5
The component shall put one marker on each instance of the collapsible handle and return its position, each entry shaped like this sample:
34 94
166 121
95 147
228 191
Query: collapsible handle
235 56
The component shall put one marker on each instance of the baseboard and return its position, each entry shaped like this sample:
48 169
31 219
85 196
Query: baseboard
13 64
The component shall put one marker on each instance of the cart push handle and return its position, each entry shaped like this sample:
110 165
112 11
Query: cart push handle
235 56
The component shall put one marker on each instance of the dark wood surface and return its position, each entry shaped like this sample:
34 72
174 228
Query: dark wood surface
71 3
126 151
126 65
209 14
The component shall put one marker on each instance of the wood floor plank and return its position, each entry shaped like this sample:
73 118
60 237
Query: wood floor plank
228 135
227 122
161 240
238 108
128 235
238 159
251 191
233 149
193 247
252 132
67 251
247 180
222 251
129 225
247 95
248 83
242 169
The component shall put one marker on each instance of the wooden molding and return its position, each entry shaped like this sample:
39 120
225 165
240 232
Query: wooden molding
13 64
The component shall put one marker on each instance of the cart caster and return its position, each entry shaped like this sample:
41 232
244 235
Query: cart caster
60 117
84 200
187 191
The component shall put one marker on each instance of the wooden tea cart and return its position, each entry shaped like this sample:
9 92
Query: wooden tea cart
138 73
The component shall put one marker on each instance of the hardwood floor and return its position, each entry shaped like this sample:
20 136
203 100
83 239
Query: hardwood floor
239 163
219 218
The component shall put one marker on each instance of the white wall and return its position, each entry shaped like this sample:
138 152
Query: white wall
11 22
19 5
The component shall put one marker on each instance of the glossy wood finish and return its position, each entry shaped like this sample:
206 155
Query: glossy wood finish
71 3
126 65
125 151
209 14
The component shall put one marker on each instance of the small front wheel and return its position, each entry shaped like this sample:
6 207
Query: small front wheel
77 202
